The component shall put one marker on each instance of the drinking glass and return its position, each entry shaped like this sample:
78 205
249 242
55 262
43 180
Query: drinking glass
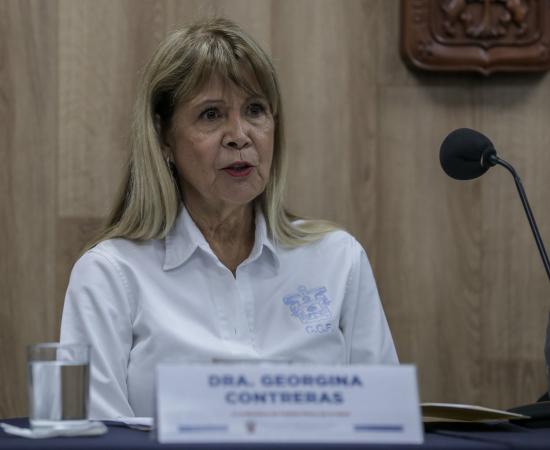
58 382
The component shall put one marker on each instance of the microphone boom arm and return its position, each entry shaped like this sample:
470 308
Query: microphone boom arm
466 154
494 159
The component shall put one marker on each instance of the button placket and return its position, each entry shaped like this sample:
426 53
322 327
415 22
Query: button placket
247 299
218 290
236 325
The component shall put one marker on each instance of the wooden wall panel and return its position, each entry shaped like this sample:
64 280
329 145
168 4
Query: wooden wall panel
458 272
428 241
330 98
7 222
253 15
516 299
97 78
28 130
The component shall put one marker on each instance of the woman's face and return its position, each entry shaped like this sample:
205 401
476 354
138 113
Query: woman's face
222 145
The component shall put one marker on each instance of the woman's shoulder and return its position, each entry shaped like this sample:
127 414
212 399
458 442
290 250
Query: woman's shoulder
121 252
332 240
342 239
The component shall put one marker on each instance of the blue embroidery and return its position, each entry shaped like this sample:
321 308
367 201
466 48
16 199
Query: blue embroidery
309 305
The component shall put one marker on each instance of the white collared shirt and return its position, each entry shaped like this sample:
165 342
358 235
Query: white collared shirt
141 303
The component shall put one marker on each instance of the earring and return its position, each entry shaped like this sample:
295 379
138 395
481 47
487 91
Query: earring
171 166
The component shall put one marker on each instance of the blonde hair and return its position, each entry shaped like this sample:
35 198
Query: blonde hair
149 200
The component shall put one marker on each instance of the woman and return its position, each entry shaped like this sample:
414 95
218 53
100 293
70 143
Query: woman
200 260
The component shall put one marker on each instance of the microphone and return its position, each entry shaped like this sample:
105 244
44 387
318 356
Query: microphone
466 154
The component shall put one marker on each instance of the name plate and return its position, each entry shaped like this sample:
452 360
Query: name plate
287 403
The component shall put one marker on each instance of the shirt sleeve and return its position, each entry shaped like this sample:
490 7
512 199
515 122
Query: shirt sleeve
366 331
97 312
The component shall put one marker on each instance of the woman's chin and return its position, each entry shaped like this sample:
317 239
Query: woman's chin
239 200
239 196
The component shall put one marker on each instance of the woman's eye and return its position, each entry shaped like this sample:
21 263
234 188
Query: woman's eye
256 109
210 114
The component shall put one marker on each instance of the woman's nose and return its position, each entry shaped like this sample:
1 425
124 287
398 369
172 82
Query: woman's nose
236 135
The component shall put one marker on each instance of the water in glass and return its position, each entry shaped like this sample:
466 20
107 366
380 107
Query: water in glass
58 393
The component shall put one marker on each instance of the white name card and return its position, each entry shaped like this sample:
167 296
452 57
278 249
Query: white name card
287 403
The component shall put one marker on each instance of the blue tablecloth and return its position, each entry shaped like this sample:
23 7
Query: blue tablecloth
438 436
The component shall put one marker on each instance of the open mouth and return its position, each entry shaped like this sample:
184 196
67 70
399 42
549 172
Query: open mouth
239 169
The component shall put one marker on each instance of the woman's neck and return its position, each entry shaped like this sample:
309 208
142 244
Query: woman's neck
228 231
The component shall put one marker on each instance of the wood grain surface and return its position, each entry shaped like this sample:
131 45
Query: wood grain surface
457 268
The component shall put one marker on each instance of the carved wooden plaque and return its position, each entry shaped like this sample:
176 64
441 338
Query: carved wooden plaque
476 35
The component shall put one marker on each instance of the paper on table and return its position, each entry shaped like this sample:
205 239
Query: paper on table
88 429
137 423
465 413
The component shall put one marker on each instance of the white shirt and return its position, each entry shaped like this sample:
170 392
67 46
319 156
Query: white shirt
141 303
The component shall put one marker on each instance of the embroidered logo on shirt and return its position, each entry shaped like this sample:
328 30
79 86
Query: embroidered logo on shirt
311 307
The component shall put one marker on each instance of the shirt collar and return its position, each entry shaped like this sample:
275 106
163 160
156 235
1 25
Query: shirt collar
185 237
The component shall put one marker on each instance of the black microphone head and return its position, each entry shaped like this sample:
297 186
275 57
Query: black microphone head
466 154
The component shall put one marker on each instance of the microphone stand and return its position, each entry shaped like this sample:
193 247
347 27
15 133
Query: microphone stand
493 160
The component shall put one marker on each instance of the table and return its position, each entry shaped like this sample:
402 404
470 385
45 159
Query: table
451 436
